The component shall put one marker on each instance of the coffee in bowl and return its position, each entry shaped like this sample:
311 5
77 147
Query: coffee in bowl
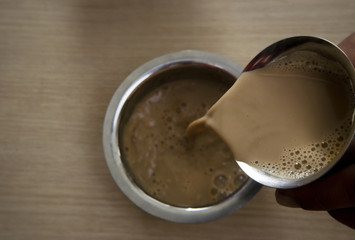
155 147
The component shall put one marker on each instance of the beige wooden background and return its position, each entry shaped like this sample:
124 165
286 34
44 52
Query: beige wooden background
60 63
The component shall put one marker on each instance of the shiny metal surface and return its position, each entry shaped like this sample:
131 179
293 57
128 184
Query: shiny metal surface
115 115
322 47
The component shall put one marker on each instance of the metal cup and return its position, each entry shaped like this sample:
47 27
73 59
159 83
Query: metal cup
304 43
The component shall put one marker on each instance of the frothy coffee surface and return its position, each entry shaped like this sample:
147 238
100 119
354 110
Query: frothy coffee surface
290 118
156 151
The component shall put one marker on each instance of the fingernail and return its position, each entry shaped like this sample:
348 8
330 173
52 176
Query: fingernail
285 199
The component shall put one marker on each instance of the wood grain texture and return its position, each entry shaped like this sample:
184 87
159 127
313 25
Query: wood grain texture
60 63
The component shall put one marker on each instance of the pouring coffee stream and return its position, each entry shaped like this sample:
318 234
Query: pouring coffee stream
289 117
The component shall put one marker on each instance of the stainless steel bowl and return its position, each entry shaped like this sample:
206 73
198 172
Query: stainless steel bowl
135 84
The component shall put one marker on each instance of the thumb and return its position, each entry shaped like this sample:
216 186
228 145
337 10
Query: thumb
345 216
334 191
348 46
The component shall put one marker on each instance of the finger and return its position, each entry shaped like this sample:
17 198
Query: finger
348 46
347 159
333 191
345 216
348 42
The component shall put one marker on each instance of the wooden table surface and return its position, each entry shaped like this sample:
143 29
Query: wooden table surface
60 63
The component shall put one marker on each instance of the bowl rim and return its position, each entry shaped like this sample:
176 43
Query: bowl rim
113 155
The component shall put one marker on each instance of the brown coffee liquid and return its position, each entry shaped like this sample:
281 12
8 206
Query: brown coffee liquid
156 151
290 118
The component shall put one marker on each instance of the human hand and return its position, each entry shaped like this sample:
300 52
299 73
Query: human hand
334 192
348 46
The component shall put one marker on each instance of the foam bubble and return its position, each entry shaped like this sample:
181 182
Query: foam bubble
310 158
309 62
220 181
214 191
